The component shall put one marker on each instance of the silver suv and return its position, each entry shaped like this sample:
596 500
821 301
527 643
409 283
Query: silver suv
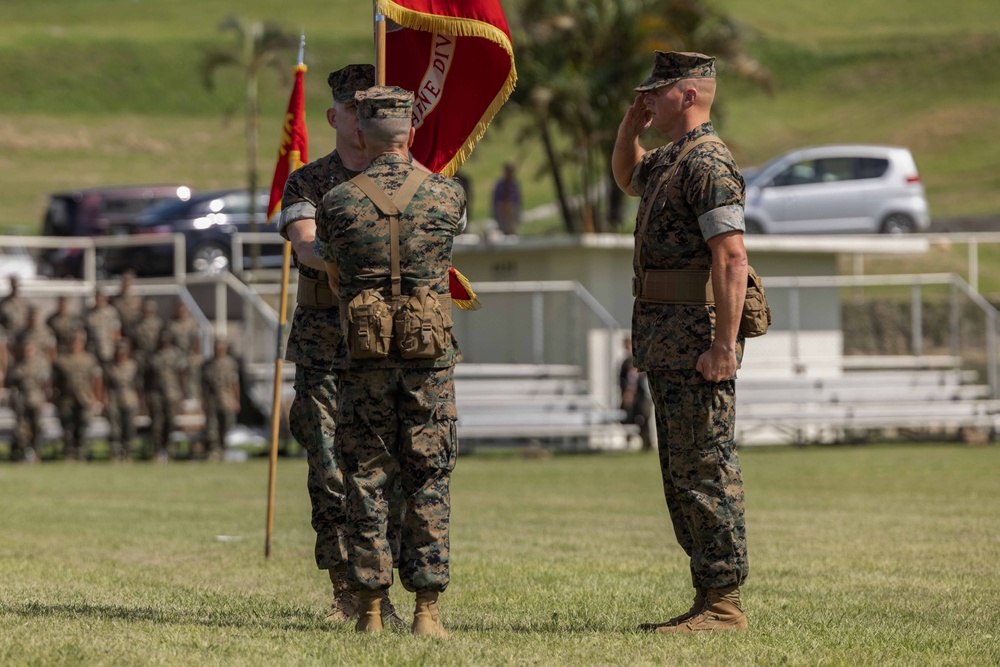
835 190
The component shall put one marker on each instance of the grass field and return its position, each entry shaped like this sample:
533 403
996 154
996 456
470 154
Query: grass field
108 91
883 555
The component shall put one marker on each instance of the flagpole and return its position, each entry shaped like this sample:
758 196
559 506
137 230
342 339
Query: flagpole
286 264
379 46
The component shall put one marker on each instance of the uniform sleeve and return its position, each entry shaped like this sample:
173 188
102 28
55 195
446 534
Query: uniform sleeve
323 246
640 175
715 191
297 202
462 203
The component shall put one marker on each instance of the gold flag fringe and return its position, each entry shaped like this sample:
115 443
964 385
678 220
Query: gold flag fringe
473 302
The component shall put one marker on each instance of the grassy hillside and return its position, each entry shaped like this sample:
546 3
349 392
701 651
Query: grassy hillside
109 91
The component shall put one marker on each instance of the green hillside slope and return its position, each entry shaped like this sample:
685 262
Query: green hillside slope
108 91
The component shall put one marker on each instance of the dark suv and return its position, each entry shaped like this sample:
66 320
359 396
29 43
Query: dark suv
208 222
95 212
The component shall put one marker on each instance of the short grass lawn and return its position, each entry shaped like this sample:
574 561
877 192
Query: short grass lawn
876 555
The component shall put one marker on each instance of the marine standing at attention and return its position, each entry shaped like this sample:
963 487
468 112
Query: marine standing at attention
64 324
28 384
77 386
104 329
315 342
220 398
128 304
14 310
690 283
390 232
121 380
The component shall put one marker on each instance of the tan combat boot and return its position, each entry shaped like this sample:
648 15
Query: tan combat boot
722 611
345 601
370 613
427 616
699 602
389 615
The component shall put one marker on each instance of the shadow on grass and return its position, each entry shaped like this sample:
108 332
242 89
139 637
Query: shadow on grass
286 619
274 619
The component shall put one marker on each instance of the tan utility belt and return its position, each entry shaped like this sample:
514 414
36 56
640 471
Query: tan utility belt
397 302
693 287
314 293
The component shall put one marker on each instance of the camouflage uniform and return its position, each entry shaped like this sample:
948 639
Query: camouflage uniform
28 382
120 379
129 307
187 336
40 337
396 417
13 315
103 328
162 383
218 376
145 336
73 378
64 327
315 342
695 418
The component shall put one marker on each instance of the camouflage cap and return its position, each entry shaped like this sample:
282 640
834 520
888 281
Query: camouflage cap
384 102
349 80
670 66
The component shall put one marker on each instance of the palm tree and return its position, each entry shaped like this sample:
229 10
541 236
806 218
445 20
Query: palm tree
258 46
578 61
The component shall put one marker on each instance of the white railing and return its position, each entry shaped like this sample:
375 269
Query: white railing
785 293
973 241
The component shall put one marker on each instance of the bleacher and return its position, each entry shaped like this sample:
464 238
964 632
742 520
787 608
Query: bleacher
511 404
868 402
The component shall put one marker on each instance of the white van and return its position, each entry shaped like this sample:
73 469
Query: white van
837 190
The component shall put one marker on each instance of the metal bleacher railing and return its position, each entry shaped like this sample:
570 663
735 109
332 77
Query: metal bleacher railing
785 293
552 349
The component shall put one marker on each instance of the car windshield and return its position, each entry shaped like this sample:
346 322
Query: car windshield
229 202
754 174
168 208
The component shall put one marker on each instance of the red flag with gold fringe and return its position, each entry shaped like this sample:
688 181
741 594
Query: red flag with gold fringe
457 58
294 149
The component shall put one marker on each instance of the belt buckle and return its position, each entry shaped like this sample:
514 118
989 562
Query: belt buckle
636 285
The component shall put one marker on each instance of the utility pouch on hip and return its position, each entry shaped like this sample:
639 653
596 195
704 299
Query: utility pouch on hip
756 316
368 326
314 293
422 324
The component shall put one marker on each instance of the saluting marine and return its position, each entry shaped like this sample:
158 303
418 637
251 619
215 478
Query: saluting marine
690 284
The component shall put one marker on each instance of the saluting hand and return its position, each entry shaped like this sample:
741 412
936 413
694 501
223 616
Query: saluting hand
637 118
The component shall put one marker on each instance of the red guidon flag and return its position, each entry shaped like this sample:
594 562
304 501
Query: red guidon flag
457 58
294 149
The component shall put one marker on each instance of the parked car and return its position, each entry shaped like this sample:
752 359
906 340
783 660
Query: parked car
208 222
835 190
94 212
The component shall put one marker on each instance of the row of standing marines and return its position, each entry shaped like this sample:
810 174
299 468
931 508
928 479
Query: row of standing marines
380 432
118 358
